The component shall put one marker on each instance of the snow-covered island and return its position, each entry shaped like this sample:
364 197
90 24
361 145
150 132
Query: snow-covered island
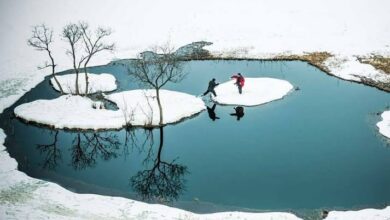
103 82
136 108
256 91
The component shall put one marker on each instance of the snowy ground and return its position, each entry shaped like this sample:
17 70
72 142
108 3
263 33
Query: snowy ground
256 91
103 82
365 214
136 107
142 109
349 68
249 28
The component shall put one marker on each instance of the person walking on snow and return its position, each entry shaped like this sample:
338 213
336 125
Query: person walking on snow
212 85
240 81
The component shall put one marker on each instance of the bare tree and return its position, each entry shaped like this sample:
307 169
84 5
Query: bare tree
156 68
93 44
72 34
79 36
41 40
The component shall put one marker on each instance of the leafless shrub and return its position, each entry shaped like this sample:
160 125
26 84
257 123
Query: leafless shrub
128 114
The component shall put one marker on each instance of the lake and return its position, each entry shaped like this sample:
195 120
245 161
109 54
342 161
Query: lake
317 148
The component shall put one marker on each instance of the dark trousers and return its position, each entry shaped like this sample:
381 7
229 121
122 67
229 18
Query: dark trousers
239 89
212 91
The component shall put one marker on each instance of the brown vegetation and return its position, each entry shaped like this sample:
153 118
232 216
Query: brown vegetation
378 61
314 58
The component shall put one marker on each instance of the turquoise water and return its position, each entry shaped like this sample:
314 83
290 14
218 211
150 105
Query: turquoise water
316 148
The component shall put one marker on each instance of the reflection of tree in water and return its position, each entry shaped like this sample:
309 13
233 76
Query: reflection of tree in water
163 181
86 147
132 140
52 153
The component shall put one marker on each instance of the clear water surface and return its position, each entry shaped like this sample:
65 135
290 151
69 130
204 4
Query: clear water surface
316 148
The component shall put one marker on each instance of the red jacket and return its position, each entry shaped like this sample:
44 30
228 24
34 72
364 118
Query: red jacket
240 80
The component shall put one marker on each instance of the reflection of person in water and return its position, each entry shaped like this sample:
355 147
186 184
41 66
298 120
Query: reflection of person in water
239 112
211 112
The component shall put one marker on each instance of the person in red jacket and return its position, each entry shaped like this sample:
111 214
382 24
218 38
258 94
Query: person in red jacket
240 81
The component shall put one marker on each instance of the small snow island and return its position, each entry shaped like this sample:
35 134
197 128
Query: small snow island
256 91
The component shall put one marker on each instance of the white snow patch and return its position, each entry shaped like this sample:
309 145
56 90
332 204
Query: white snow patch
103 82
136 107
74 112
256 91
364 214
141 106
384 125
349 68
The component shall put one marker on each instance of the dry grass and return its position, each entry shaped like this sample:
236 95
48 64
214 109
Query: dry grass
315 58
377 61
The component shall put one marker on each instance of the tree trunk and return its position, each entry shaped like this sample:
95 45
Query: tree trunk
53 66
58 83
75 69
159 106
77 83
86 75
86 80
